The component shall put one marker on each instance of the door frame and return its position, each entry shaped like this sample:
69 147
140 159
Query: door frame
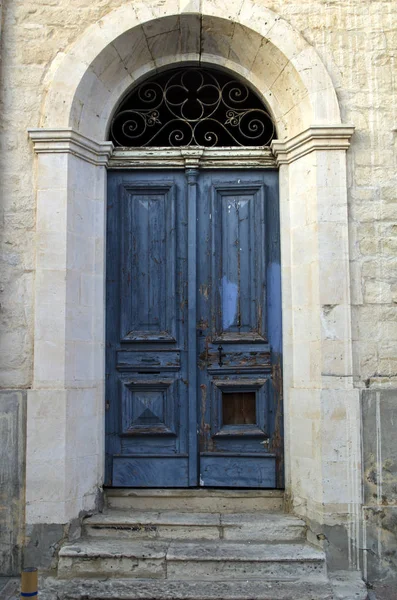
321 402
192 157
321 405
191 160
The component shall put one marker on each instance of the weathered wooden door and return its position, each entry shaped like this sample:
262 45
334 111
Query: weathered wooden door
193 373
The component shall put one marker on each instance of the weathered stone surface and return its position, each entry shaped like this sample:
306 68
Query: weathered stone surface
382 591
379 415
155 518
264 527
380 543
110 559
356 42
114 549
186 590
189 560
261 526
32 39
244 560
242 552
9 588
93 558
143 525
348 584
202 500
334 539
12 479
42 544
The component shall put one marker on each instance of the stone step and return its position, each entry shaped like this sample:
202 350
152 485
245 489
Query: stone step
244 561
196 500
107 557
138 589
260 526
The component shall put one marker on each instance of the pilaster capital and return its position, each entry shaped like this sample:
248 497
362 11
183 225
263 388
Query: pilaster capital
192 157
68 141
316 137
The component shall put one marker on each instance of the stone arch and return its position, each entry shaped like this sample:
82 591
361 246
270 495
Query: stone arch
86 84
83 88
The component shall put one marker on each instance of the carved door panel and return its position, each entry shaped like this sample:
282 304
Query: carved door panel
193 351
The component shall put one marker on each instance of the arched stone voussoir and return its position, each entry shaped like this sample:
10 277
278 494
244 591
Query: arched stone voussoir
94 127
137 39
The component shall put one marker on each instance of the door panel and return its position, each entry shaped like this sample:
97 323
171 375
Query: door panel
237 225
237 470
193 330
148 239
236 219
146 385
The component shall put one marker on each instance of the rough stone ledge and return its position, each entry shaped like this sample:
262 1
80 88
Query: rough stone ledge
185 590
344 585
259 526
241 552
192 551
93 557
193 500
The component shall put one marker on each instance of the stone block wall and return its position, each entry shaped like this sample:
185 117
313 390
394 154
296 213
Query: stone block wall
355 40
357 43
379 544
12 480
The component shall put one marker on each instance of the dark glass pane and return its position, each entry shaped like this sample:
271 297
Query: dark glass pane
239 408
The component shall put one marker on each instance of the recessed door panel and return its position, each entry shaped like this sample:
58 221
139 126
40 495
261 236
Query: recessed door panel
237 227
148 245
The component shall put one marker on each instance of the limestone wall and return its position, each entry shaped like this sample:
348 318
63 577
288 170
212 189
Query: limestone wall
12 480
357 42
379 525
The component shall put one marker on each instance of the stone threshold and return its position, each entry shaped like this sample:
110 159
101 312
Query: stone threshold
195 500
194 492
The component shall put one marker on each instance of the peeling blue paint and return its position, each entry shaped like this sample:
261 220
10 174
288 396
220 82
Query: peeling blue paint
229 295
274 305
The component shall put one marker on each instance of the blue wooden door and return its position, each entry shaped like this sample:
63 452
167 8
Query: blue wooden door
193 348
239 330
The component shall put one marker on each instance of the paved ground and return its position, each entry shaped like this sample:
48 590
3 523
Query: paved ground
9 588
385 591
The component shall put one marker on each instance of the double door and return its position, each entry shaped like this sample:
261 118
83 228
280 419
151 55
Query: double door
193 328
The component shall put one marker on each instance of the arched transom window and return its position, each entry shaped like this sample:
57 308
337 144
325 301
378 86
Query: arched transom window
192 107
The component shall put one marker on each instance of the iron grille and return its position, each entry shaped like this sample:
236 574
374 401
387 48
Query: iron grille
192 107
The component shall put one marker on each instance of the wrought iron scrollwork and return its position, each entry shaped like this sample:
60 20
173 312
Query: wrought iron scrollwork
192 107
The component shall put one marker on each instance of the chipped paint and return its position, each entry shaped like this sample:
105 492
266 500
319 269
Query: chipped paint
204 290
229 293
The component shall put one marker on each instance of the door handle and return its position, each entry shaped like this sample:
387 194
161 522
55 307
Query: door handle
220 355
